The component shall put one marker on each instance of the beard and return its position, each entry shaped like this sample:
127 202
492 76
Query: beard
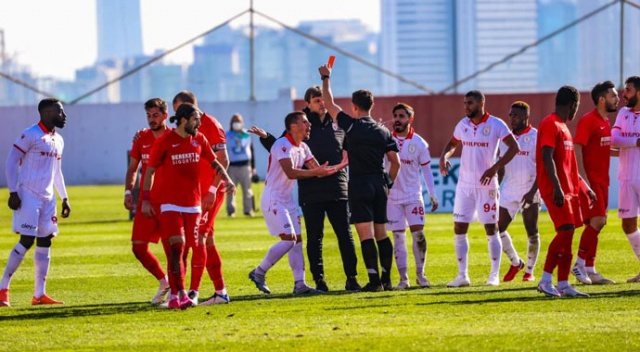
59 123
400 128
473 113
633 101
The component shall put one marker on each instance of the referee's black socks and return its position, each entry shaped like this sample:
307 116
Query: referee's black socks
386 259
370 256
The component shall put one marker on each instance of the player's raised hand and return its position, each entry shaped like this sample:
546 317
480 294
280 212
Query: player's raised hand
258 131
66 209
14 201
445 165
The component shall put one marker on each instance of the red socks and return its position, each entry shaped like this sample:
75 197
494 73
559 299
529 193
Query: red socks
559 254
198 261
148 260
588 245
214 267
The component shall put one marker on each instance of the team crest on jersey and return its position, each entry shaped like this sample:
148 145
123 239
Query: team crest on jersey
284 149
194 143
334 126
22 137
412 148
527 139
492 194
486 130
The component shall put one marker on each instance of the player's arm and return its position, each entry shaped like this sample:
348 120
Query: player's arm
427 175
58 183
620 141
147 210
501 171
447 152
552 172
11 171
222 175
394 165
580 159
327 95
266 138
313 169
514 148
345 161
130 181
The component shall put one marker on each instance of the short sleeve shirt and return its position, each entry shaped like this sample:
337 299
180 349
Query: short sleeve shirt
554 133
141 149
520 172
277 183
413 153
368 143
628 122
180 160
479 148
594 135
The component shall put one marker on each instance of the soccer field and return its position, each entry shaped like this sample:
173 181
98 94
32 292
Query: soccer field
107 295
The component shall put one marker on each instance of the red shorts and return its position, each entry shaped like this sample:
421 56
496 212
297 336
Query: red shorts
175 223
568 214
599 208
205 227
146 229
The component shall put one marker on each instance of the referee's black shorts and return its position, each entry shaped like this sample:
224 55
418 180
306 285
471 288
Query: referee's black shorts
368 199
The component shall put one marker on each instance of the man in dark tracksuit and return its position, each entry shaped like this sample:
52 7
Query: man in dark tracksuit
327 195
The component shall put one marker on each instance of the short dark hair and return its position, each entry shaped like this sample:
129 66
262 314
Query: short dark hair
567 95
47 102
635 80
405 107
185 110
312 92
600 90
185 96
292 118
521 105
363 99
156 103
475 94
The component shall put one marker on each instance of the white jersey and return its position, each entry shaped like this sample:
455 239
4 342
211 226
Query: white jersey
628 126
479 148
277 185
41 161
414 154
520 172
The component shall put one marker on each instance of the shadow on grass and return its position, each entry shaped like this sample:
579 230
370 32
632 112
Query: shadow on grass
93 222
259 297
66 311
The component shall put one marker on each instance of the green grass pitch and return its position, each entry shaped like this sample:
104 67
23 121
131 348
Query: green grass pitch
107 293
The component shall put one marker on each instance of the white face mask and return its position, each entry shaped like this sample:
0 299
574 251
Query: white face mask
236 126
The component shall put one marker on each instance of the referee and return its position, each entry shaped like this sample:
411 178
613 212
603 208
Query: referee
368 142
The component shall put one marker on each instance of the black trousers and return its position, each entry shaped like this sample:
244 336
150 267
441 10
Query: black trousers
338 214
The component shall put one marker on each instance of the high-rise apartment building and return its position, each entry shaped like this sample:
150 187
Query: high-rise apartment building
119 29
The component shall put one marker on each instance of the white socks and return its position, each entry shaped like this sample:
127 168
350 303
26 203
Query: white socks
42 260
533 248
461 244
419 250
634 241
495 253
296 262
507 248
15 259
401 253
275 253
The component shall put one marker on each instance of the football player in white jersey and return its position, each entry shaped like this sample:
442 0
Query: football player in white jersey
477 194
33 169
405 206
625 134
519 192
286 158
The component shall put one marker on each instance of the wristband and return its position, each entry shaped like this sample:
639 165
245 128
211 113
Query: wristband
213 189
127 192
146 195
323 77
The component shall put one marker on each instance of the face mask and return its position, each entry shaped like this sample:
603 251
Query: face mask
236 126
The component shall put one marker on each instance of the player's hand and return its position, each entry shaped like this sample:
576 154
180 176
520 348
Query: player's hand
229 187
558 197
592 197
208 200
487 176
434 203
258 131
445 165
147 209
128 201
137 135
325 170
14 201
324 70
66 209
527 200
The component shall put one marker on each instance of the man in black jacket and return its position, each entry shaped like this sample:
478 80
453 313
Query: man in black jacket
327 195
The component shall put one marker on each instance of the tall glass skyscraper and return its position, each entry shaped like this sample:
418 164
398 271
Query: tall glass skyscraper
119 29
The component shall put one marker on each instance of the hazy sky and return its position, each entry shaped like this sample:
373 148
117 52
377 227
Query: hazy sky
55 37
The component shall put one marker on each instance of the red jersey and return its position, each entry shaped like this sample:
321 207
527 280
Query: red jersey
553 132
594 135
179 159
141 149
216 135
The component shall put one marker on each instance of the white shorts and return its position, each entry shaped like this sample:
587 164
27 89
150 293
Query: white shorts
511 199
281 217
36 216
401 216
629 199
473 203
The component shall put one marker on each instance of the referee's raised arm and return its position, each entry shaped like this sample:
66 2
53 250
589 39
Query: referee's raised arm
327 95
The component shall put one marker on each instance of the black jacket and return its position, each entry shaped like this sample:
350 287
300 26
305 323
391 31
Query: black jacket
326 142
